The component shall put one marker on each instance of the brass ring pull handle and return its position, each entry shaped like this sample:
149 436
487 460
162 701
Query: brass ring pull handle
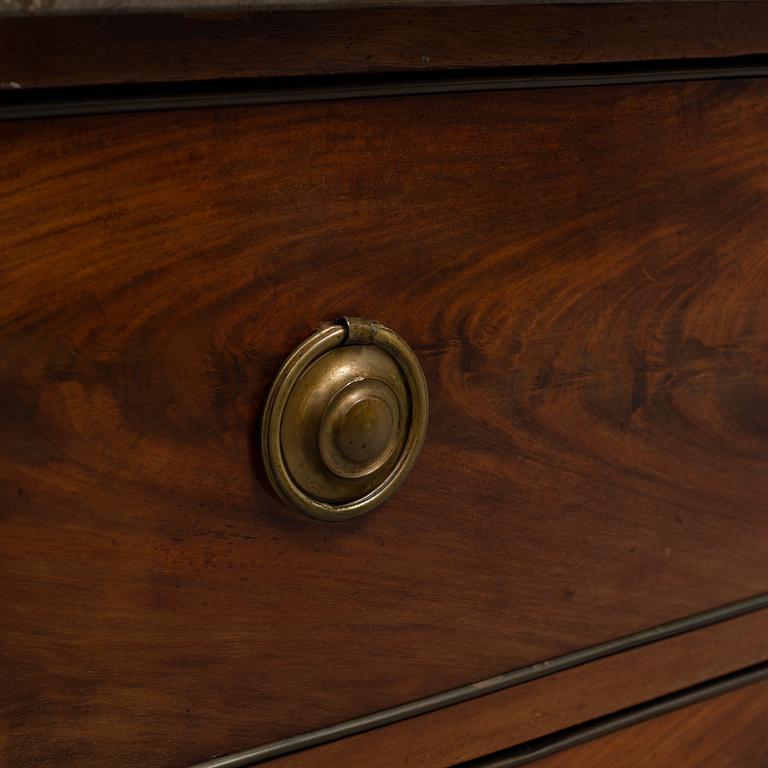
344 420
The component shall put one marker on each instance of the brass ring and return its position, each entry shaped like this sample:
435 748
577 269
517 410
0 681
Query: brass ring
344 332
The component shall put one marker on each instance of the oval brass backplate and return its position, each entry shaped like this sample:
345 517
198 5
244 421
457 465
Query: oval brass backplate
344 420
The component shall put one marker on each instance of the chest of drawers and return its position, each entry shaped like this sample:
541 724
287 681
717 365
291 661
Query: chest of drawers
574 247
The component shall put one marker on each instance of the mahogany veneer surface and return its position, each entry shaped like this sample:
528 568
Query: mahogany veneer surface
582 273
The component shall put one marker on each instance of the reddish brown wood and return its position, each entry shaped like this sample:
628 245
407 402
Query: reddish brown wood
510 717
76 51
727 731
581 272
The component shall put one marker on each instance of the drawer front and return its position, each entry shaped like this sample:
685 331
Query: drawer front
727 731
582 274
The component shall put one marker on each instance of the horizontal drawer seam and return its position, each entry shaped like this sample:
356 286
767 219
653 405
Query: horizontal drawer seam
92 100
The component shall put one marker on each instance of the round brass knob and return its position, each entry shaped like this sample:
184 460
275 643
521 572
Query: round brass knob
345 420
359 429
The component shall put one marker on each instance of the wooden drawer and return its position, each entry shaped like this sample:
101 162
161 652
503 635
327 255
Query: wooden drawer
582 274
718 732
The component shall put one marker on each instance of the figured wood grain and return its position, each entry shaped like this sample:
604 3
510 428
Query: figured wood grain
40 52
519 714
727 731
582 274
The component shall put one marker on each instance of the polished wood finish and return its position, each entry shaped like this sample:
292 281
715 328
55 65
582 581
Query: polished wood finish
519 714
581 273
137 49
727 731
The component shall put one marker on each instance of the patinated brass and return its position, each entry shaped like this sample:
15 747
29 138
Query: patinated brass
345 420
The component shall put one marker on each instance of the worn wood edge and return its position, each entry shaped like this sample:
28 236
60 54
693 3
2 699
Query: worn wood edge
24 8
22 105
189 43
573 737
465 693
